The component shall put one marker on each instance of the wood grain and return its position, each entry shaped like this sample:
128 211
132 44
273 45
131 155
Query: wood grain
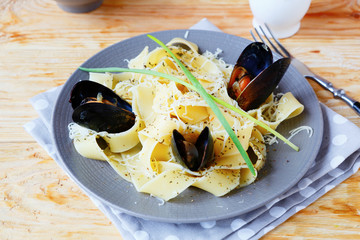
41 46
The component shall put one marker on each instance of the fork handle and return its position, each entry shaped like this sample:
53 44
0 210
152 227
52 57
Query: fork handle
338 93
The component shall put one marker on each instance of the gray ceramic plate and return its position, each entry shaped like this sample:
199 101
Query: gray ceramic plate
284 168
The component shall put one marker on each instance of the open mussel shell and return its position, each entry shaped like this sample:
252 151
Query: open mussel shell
99 108
193 156
260 88
86 89
252 61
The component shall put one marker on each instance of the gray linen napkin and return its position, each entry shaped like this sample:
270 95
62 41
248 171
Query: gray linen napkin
338 159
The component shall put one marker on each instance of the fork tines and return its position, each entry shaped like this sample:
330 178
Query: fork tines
268 35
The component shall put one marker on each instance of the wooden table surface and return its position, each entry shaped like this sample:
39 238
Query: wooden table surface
41 45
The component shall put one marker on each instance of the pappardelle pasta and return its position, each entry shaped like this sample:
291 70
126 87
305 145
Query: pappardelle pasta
143 154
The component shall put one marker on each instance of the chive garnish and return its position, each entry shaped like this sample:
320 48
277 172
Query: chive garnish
201 90
196 86
189 86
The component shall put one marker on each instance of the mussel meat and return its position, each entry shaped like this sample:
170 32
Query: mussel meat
193 156
255 76
99 108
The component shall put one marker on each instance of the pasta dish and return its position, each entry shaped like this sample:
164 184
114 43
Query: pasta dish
144 153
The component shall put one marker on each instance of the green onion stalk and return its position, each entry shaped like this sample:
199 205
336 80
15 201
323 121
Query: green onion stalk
210 100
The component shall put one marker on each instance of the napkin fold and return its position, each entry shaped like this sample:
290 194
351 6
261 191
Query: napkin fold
338 159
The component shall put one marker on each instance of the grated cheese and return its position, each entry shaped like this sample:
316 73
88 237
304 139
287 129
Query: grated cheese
150 161
186 34
295 131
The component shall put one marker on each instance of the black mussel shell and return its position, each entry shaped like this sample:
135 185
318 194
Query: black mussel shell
205 146
255 58
86 89
103 117
99 108
193 156
260 88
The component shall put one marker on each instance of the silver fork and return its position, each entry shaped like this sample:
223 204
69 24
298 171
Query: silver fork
303 69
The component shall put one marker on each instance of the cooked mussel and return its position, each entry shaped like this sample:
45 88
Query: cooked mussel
99 108
255 76
193 156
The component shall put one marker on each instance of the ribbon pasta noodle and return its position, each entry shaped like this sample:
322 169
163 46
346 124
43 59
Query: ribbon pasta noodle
143 155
